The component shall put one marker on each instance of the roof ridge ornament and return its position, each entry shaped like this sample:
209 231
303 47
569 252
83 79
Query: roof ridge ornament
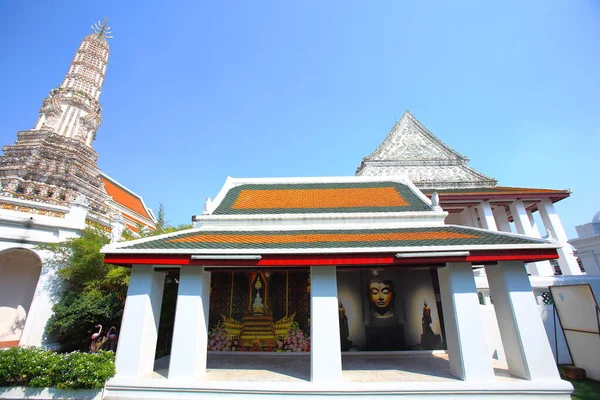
207 206
103 30
435 201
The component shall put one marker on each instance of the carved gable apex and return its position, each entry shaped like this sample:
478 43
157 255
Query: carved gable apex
409 140
410 149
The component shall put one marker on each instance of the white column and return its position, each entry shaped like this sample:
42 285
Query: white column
519 214
486 216
206 295
566 258
139 327
188 351
325 347
465 217
467 348
501 219
534 226
524 227
524 338
474 217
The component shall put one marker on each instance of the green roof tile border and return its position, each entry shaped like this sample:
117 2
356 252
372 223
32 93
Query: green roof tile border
415 203
486 238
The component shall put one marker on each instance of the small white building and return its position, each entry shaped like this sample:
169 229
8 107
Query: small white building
587 245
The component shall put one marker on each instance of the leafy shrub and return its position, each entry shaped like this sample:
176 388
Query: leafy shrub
76 315
30 366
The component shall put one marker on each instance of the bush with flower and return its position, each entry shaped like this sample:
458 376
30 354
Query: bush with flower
219 339
295 340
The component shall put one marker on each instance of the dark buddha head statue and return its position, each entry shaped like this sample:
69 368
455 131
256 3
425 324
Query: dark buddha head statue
381 297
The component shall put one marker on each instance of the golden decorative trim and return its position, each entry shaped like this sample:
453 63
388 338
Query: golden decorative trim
97 225
282 326
232 326
32 210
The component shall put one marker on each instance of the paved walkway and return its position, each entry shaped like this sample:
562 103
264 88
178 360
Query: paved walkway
370 367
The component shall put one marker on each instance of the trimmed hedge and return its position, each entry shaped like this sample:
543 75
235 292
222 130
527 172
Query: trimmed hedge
32 366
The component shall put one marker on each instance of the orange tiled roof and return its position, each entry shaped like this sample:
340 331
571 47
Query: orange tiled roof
132 228
315 237
355 197
319 198
132 218
125 198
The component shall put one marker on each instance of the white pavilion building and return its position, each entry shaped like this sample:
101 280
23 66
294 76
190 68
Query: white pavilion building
376 244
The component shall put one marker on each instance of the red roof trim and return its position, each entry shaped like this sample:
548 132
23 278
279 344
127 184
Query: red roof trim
301 260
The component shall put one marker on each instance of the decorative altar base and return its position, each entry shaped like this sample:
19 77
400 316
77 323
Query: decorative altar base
370 375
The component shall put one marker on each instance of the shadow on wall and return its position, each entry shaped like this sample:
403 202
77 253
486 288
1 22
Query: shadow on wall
20 271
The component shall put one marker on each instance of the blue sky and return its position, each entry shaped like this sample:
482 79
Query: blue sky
196 91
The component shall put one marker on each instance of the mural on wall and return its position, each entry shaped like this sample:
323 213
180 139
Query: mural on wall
429 340
259 311
386 309
344 329
383 329
381 296
389 310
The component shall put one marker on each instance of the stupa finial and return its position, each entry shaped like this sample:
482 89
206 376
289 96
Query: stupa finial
102 29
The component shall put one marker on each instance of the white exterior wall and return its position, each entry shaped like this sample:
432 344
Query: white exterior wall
588 245
44 298
23 230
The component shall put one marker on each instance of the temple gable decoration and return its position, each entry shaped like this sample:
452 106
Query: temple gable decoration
411 149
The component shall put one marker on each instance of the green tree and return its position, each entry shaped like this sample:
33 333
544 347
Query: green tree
92 292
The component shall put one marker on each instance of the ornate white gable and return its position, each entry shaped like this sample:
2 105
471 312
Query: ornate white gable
410 149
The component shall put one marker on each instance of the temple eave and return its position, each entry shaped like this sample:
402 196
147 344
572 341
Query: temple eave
355 259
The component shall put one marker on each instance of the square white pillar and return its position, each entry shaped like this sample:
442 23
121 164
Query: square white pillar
139 327
188 351
486 216
465 217
474 219
206 296
325 347
566 258
467 348
501 218
524 227
524 338
521 219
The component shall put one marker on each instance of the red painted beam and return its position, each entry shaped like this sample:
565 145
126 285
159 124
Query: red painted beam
304 260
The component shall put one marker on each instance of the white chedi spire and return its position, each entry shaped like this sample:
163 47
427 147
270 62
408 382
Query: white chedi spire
73 110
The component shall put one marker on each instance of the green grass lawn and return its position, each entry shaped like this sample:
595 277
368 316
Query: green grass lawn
586 389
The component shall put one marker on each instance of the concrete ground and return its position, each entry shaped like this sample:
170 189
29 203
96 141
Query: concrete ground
357 367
